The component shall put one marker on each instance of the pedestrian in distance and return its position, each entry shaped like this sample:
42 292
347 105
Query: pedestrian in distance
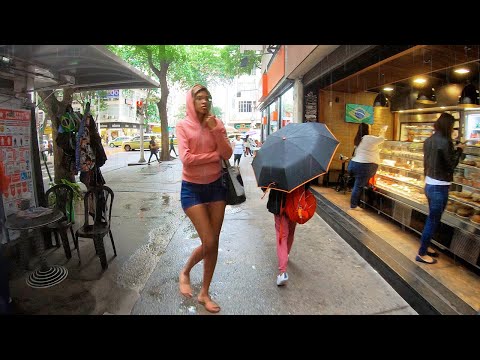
238 148
50 148
172 146
440 157
202 144
248 151
365 160
153 149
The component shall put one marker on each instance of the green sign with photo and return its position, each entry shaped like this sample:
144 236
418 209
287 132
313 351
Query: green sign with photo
359 114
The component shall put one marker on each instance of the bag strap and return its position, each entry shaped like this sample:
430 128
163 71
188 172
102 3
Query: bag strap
226 164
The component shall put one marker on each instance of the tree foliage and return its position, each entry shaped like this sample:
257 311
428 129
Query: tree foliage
185 65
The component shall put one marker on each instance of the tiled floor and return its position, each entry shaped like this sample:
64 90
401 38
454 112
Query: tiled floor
458 278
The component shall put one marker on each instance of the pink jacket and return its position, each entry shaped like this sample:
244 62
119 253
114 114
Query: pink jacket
200 148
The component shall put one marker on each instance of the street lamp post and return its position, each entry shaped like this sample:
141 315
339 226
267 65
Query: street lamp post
141 116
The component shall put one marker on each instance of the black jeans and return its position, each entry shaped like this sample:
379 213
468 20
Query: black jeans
236 158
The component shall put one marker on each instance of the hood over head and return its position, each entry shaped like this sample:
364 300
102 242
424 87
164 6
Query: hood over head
190 102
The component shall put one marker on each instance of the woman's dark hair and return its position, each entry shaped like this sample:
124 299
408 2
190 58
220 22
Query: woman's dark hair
444 125
362 130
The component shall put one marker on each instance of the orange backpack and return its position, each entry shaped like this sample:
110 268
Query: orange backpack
300 205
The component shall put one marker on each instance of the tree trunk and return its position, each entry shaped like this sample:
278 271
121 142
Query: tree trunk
55 109
162 109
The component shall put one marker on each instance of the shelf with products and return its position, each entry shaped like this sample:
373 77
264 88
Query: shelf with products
418 133
399 194
401 172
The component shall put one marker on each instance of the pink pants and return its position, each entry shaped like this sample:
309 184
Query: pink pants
285 230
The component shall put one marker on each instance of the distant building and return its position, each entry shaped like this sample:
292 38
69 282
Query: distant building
120 118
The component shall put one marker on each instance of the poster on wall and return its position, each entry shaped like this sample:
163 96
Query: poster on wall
356 113
15 162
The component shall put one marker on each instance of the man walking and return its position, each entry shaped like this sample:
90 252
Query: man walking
172 147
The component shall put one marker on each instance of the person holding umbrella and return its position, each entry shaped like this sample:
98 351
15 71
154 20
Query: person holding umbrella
202 144
291 158
364 163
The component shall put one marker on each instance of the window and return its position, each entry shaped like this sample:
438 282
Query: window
245 106
287 107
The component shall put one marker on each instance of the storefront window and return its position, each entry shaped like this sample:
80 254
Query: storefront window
273 117
286 107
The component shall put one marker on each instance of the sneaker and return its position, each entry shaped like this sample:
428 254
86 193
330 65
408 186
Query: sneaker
282 279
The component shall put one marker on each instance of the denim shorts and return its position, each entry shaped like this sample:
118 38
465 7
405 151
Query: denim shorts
194 194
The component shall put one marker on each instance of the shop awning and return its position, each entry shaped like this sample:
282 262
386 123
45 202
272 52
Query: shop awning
82 67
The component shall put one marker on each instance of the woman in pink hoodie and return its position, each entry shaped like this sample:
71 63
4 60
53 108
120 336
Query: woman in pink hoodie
202 144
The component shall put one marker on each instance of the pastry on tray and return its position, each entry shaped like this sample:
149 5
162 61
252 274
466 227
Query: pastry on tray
475 219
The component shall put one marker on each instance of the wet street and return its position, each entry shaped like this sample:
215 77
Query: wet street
154 238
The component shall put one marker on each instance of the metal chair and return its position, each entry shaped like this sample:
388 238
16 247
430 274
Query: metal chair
98 205
345 180
60 197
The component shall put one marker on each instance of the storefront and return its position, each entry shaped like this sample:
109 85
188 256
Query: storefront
112 130
410 111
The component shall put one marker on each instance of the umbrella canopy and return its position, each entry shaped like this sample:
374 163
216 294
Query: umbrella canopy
294 155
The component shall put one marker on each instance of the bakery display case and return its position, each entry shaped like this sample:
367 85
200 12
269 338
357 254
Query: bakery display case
401 170
415 132
399 194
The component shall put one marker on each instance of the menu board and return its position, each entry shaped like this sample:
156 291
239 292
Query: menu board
15 160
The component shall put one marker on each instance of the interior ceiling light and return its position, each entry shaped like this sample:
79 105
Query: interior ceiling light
420 81
381 100
461 71
427 96
388 88
469 96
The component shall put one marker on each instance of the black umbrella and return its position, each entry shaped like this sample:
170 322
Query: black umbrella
294 155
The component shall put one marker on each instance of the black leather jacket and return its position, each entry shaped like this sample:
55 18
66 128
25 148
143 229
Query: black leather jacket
440 157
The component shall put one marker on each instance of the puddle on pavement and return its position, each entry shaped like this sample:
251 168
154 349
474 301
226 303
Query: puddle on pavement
138 268
166 200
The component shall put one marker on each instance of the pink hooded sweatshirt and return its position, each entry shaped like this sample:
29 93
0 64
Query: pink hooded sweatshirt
200 148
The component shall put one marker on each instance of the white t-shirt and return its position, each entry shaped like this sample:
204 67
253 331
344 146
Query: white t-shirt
238 147
367 151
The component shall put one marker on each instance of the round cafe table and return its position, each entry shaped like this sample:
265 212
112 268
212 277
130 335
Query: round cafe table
46 275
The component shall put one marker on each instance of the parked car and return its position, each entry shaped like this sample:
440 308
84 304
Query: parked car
134 143
118 141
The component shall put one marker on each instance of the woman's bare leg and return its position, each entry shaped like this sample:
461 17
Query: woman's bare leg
208 220
198 214
216 213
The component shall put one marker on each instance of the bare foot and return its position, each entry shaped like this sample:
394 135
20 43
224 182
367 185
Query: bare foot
184 282
209 304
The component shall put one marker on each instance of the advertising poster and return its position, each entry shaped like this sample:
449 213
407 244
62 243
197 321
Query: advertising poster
15 161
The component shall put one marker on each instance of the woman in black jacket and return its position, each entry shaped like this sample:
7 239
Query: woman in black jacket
440 158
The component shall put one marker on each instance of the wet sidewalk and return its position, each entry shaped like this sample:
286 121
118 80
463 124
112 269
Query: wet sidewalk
154 238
